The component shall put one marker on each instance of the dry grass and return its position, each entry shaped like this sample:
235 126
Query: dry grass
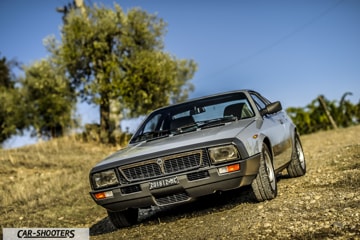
46 185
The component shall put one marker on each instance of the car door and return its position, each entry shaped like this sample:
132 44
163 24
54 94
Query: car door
275 127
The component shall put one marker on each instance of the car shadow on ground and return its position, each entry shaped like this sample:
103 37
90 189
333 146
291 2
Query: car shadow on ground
102 227
203 206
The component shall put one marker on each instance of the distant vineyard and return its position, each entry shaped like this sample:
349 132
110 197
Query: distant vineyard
322 114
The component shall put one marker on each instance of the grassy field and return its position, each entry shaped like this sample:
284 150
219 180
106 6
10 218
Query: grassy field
46 185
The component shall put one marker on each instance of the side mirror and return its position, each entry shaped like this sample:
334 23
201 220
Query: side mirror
271 108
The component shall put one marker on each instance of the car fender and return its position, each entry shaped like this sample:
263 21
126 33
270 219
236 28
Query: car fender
262 138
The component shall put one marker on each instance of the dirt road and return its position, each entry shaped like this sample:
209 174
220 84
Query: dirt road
323 204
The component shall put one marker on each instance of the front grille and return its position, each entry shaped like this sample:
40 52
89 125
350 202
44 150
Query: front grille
142 172
182 162
171 199
164 166
130 189
197 175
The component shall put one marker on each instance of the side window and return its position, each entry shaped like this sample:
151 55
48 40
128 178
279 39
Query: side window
152 124
260 104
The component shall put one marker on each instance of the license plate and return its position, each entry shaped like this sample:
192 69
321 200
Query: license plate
163 183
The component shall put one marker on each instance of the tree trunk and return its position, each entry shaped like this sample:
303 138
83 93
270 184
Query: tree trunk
323 104
104 119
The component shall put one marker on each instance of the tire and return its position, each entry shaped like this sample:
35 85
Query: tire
125 218
264 186
297 166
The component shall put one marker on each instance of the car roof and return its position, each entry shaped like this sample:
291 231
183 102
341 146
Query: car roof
205 97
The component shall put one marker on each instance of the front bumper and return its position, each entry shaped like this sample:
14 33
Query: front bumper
208 181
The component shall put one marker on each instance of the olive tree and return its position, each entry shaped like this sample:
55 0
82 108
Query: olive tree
112 55
11 112
48 98
313 117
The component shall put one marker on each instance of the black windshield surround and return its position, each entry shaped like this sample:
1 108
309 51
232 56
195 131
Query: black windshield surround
194 115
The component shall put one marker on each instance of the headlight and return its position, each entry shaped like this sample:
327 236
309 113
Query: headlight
104 179
223 153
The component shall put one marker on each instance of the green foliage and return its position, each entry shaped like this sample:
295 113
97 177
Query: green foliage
347 114
153 80
112 55
5 78
313 118
48 98
105 56
11 119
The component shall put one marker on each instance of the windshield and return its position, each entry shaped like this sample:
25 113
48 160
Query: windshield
194 115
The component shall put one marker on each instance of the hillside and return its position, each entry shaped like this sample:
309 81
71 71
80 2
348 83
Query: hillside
46 185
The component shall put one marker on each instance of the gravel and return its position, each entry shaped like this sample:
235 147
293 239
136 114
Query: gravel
323 204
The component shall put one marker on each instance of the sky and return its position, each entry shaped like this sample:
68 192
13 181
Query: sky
291 51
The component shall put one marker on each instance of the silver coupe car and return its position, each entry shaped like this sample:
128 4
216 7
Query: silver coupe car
199 147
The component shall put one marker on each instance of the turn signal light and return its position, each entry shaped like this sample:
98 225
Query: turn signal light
233 168
230 168
102 195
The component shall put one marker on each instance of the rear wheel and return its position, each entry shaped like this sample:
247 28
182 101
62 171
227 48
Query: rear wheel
264 185
124 218
297 166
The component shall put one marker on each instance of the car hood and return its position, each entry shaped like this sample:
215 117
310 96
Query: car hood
173 144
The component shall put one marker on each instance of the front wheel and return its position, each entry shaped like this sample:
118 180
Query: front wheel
297 166
264 185
124 218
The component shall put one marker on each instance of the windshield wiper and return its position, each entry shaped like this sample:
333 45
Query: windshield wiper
217 122
185 128
153 135
206 124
